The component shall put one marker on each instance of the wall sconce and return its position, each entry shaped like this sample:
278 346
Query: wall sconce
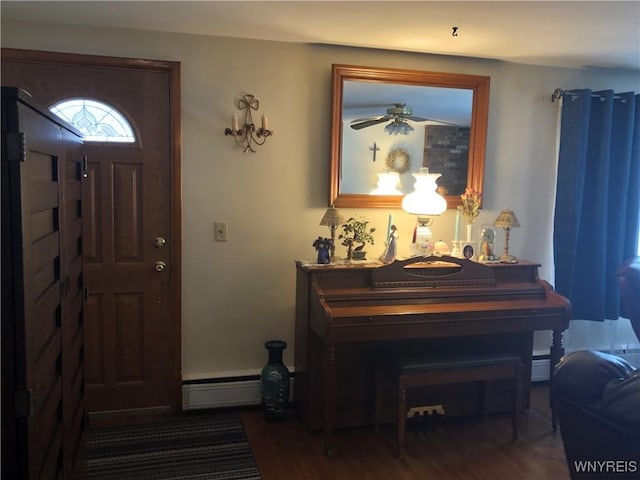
248 135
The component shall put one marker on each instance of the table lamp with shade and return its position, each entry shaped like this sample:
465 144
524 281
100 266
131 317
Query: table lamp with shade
426 203
507 220
333 220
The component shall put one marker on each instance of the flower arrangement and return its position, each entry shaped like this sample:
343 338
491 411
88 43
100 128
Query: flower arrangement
470 204
322 243
322 246
356 232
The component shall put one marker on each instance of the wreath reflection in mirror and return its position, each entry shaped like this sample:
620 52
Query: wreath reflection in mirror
399 160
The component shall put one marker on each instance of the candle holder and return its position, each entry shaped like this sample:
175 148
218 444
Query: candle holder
456 250
248 135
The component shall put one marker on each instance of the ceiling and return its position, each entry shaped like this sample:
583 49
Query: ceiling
562 33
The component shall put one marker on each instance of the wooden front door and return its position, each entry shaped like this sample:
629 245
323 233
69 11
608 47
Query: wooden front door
131 225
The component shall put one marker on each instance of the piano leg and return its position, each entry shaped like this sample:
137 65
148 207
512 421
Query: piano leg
556 353
329 397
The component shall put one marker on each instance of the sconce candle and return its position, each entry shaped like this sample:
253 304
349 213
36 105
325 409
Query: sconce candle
248 135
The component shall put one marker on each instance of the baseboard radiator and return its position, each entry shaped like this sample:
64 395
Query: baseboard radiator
223 392
245 391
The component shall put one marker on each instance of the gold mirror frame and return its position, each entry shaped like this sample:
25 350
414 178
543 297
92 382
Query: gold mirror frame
478 132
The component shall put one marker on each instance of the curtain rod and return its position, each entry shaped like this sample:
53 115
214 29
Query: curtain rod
558 93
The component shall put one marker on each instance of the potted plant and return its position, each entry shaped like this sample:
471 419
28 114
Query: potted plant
356 233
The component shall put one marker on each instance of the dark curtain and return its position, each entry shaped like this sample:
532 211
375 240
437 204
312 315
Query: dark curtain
597 198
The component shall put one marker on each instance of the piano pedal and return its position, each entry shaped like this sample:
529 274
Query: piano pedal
426 417
428 410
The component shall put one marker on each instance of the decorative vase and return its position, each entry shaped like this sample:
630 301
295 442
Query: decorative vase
469 232
274 383
323 256
322 246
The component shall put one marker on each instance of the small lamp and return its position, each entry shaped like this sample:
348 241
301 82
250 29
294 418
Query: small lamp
332 219
426 203
507 220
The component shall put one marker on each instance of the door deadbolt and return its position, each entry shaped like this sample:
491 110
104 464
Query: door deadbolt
159 242
160 266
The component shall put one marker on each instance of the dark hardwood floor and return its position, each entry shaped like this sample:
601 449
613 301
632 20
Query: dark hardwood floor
448 449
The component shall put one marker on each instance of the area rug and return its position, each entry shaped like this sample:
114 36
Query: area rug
196 447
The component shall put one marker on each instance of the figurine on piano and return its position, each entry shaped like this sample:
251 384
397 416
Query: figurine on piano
391 250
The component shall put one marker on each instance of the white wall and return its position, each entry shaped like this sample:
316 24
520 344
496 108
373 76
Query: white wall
238 294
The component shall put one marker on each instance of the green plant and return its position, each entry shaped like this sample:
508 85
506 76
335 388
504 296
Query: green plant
356 233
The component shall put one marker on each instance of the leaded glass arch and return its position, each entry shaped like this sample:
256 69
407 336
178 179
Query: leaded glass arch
96 120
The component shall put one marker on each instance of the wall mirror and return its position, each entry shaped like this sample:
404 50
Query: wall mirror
388 123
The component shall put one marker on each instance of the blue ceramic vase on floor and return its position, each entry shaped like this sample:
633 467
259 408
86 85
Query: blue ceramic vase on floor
274 383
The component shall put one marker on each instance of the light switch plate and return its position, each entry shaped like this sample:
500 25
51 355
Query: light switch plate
221 231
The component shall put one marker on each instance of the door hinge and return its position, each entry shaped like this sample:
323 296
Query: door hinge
16 147
85 167
24 403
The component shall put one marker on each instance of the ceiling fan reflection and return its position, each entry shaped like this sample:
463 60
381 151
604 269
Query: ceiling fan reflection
397 115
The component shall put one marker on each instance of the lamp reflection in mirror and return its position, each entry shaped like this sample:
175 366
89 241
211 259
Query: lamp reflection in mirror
426 203
507 220
387 183
332 219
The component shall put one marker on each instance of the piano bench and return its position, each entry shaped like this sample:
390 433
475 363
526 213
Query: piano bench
417 372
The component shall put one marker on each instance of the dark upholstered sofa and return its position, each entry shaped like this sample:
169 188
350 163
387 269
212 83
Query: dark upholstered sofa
598 400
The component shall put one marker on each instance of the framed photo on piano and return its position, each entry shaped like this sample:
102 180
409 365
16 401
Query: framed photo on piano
468 250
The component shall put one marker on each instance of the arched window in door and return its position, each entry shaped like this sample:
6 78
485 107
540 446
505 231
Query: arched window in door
96 120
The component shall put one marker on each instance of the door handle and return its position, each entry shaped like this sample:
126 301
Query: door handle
159 242
160 266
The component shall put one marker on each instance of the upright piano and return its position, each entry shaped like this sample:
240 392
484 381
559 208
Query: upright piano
349 316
